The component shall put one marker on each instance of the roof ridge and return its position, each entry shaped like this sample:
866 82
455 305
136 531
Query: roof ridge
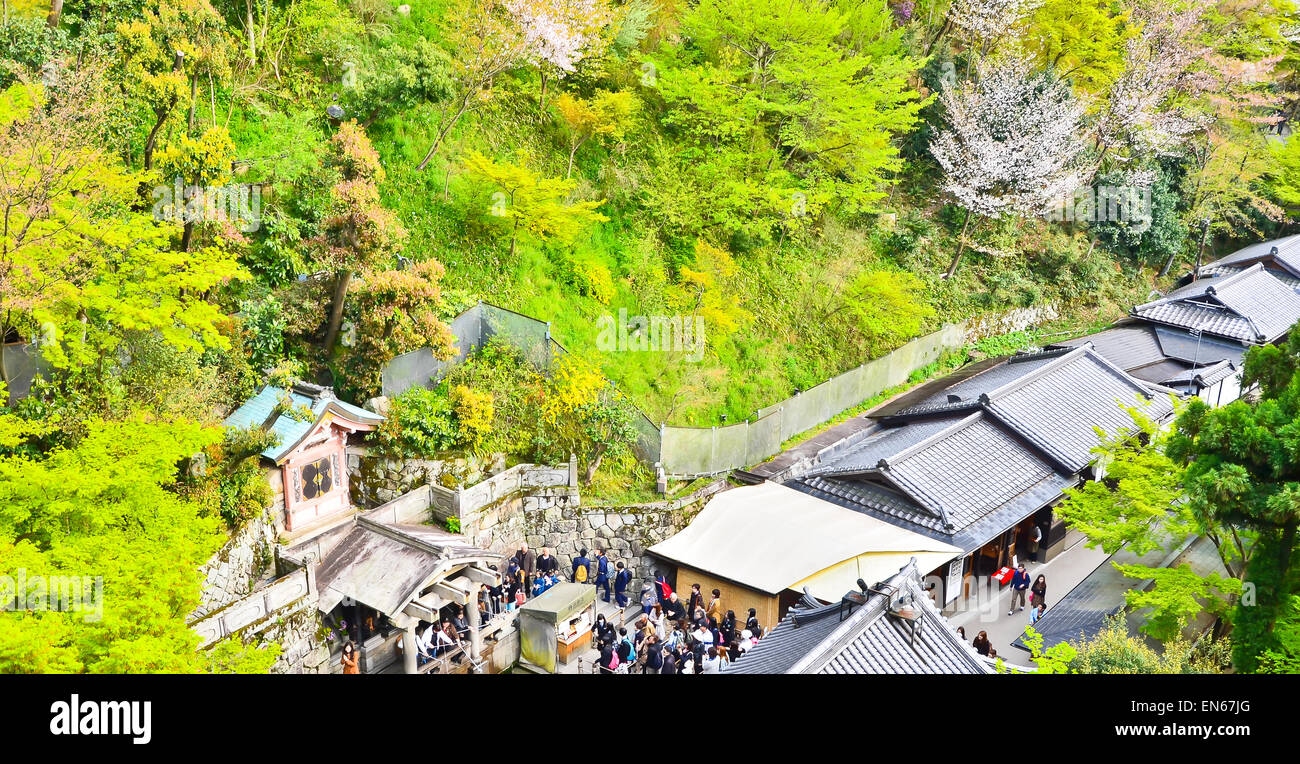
1024 379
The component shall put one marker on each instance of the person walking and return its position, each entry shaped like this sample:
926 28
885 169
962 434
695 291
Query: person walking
623 577
602 573
1019 585
581 568
981 644
1040 591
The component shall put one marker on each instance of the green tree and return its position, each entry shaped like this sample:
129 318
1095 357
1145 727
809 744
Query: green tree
605 116
1243 471
532 204
109 507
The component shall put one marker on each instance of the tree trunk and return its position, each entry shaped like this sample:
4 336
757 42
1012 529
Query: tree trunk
573 152
960 248
252 40
542 104
514 237
592 466
194 100
464 105
336 310
56 11
187 236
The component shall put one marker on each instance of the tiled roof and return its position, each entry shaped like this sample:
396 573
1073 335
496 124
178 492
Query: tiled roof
1204 376
963 478
1251 306
1180 344
969 468
1287 259
258 409
881 502
1128 347
1058 407
990 379
861 637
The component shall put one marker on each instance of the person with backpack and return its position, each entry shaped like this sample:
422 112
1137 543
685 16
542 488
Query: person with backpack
581 568
602 573
626 649
663 590
1019 585
607 660
622 577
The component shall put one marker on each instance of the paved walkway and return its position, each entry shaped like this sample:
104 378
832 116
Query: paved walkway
1065 571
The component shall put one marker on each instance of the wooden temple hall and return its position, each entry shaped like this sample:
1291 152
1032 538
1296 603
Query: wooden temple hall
385 577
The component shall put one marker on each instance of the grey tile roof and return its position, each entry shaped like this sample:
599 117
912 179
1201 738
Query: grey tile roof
1204 376
1250 306
986 381
968 469
1287 259
894 507
865 455
1058 407
962 479
864 639
1180 344
1128 346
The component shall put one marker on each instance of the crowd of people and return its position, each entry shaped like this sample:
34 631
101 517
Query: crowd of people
698 636
1022 592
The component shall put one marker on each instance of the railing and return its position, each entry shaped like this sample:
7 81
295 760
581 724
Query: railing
255 607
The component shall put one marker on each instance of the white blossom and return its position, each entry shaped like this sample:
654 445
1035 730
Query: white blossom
1012 144
560 32
985 20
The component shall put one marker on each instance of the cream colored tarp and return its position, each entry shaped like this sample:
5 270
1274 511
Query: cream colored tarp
771 538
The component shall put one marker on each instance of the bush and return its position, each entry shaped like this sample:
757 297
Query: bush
420 424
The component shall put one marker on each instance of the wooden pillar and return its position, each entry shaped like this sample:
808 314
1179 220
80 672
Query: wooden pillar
409 648
475 638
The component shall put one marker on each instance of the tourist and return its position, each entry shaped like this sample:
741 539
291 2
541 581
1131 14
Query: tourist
654 656
993 654
581 568
1019 585
1035 539
714 610
677 637
547 564
981 644
461 624
1040 591
669 662
733 651
424 645
351 662
675 610
626 648
602 573
1036 613
663 590
623 577
509 587
656 617
961 632
746 641
486 604
526 562
604 631
648 598
606 661
696 602
728 627
711 664
685 661
447 639
752 624
539 585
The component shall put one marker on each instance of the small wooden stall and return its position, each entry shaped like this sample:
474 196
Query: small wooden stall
556 625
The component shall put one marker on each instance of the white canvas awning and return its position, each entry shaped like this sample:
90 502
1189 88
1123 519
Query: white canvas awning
771 538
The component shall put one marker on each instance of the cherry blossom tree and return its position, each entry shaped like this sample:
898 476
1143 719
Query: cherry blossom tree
1012 143
559 34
